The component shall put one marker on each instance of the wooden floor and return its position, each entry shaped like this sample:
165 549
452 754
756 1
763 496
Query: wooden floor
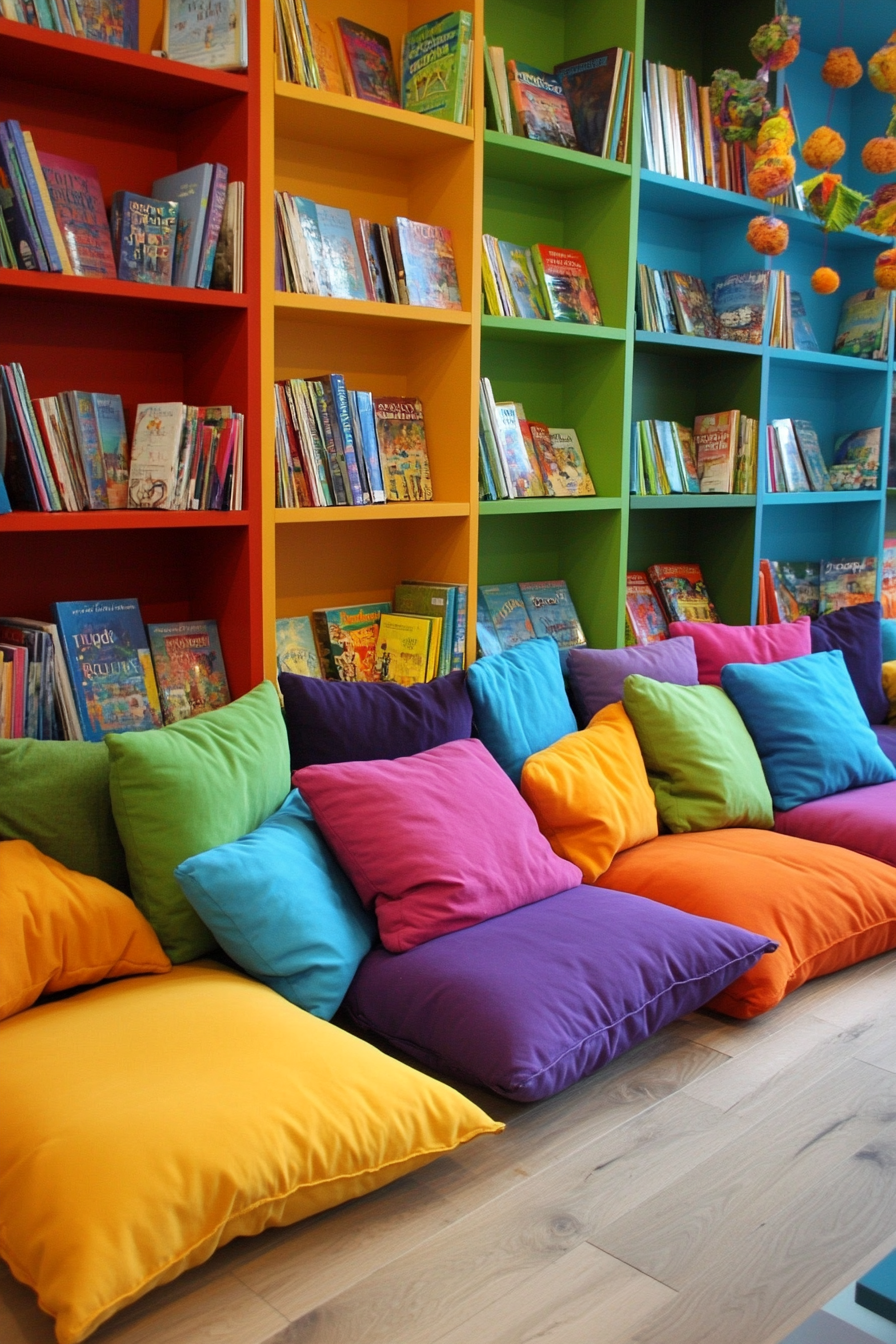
714 1186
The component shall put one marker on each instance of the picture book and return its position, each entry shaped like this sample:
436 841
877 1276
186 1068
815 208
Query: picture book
551 611
715 442
856 464
693 307
804 337
522 469
438 601
539 107
567 470
739 302
847 583
796 585
346 640
143 236
155 453
427 258
214 220
339 253
403 648
13 689
113 443
189 190
682 592
643 614
189 668
487 641
794 473
35 702
522 281
687 454
326 56
82 417
813 458
863 331
110 666
566 285
367 64
888 580
507 611
401 435
296 649
435 67
78 205
21 242
589 84
112 21
211 33
19 158
499 85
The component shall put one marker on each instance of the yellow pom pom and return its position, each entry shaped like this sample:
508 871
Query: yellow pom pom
824 148
882 67
825 280
768 236
775 130
885 269
842 69
879 155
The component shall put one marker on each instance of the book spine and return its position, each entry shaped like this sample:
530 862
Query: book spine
321 629
343 420
459 654
65 264
35 197
19 221
214 215
336 468
87 430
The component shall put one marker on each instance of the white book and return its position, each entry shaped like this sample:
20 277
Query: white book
495 424
155 455
213 36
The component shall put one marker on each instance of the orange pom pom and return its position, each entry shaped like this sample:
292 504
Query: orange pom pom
768 236
823 148
842 69
879 155
885 269
785 55
882 67
825 280
771 176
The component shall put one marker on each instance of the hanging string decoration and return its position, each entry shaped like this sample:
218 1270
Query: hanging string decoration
776 44
823 148
879 155
774 167
768 236
882 67
832 202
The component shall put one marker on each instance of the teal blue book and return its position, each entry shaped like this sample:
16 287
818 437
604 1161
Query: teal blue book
552 612
113 444
341 260
110 666
189 190
487 641
507 610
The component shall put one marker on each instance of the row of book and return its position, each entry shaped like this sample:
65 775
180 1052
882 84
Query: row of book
717 457
322 250
525 459
511 613
789 589
338 447
796 463
97 669
550 283
69 453
662 594
584 104
435 67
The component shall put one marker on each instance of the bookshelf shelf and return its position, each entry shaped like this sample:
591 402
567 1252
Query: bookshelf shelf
516 159
533 329
52 287
824 498
831 363
125 520
654 502
692 345
361 312
335 120
372 513
693 200
584 504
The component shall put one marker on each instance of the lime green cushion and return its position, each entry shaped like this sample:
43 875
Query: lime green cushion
701 762
56 795
181 790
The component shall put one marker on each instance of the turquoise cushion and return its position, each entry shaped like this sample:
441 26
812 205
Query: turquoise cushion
809 727
888 639
280 905
519 702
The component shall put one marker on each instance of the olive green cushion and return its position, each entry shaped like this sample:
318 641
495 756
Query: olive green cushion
181 790
56 794
701 762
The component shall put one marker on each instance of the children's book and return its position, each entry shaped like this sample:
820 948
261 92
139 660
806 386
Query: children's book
367 64
813 458
401 435
189 668
566 285
427 258
507 611
325 44
551 611
539 107
847 583
739 302
715 442
804 337
403 647
525 291
208 34
682 592
296 649
20 157
693 308
796 585
113 443
523 471
487 641
864 325
643 614
340 253
567 470
189 190
110 666
795 477
590 84
888 580
112 21
155 455
18 216
437 601
143 236
434 66
78 205
82 417
687 454
856 464
346 640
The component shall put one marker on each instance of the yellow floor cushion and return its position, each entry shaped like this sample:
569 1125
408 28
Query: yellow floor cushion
145 1122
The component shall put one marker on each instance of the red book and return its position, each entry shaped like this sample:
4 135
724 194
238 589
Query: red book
566 285
682 592
643 613
77 198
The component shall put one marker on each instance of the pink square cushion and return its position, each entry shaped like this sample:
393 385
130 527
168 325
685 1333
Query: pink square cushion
434 842
715 645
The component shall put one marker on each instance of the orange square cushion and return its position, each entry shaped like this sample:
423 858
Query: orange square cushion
826 906
60 929
590 793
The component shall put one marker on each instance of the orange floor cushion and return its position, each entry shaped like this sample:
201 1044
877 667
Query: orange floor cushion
826 906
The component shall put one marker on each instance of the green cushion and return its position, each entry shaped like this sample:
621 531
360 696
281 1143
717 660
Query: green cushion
56 794
701 761
180 790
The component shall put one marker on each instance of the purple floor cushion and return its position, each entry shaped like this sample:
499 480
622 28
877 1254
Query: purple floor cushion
863 820
886 739
529 1002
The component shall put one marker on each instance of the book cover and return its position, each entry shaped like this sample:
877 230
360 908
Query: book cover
539 106
643 612
804 337
19 241
210 33
369 446
524 474
856 463
402 648
37 702
507 611
189 190
110 666
795 477
112 21
888 580
87 436
693 307
113 442
428 258
568 472
682 592
688 456
296 649
487 641
189 668
155 455
525 291
433 66
401 435
368 59
739 302
551 611
77 198
437 600
347 450
214 220
346 639
339 251
847 583
566 285
329 71
669 455
715 440
863 327
796 584
813 458
146 230
35 187
589 84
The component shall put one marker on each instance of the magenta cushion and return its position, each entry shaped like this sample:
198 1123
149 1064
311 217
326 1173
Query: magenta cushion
863 820
434 842
716 645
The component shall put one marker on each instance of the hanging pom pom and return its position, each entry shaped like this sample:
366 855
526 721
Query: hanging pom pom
842 69
777 128
771 175
824 148
879 155
739 106
825 280
885 269
768 236
777 44
879 215
831 201
882 67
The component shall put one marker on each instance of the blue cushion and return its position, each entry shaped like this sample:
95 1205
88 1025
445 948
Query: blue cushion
888 640
520 704
280 905
809 727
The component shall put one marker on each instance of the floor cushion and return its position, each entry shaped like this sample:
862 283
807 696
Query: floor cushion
857 633
530 1002
147 1122
597 676
825 906
716 644
886 739
863 820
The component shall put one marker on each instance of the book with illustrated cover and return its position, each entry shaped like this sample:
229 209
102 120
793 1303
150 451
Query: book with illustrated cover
212 35
143 237
644 616
18 158
507 611
687 453
324 44
296 649
189 668
682 592
155 455
539 107
551 611
404 648
77 198
804 337
739 302
435 61
487 641
112 21
367 64
227 264
339 251
346 640
693 307
401 435
437 601
82 418
864 325
566 468
522 280
370 250
856 464
847 583
813 458
36 701
715 443
190 191
113 443
566 285
793 471
456 616
110 666
888 580
214 221
590 85
523 473
796 584
427 258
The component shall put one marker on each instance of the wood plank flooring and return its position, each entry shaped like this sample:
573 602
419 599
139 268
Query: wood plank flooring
714 1186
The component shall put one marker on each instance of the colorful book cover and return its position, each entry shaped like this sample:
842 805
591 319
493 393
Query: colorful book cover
433 66
369 446
539 106
155 455
796 584
525 291
190 192
19 227
145 231
210 33
566 285
507 611
739 302
856 463
715 440
666 443
693 307
864 325
568 472
189 668
329 71
113 441
401 435
524 474
804 337
225 265
112 21
888 580
682 592
847 583
346 640
687 453
214 219
110 666
402 648
551 611
795 477
643 612
33 181
813 458
78 204
369 64
487 641
340 253
428 258
589 84
437 600
296 649
90 450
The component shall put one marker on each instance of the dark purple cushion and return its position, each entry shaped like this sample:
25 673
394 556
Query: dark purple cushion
886 740
328 722
596 676
856 631
863 820
531 1001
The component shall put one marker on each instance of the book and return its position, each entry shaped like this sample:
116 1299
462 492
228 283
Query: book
496 76
794 473
856 464
33 707
339 251
863 330
155 455
847 583
82 418
521 467
739 302
551 611
436 601
715 442
401 435
108 413
813 458
112 21
507 612
367 64
427 257
566 285
589 85
888 580
522 282
796 588
213 36
296 649
227 265
143 237
326 56
346 640
189 668
189 190
804 337
435 61
566 468
403 648
682 592
77 198
487 641
692 305
39 197
538 106
110 666
644 618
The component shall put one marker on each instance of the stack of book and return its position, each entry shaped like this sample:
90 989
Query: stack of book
789 328
344 57
525 459
717 457
336 447
537 282
510 613
322 250
186 457
585 104
796 463
789 589
116 25
864 329
664 593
